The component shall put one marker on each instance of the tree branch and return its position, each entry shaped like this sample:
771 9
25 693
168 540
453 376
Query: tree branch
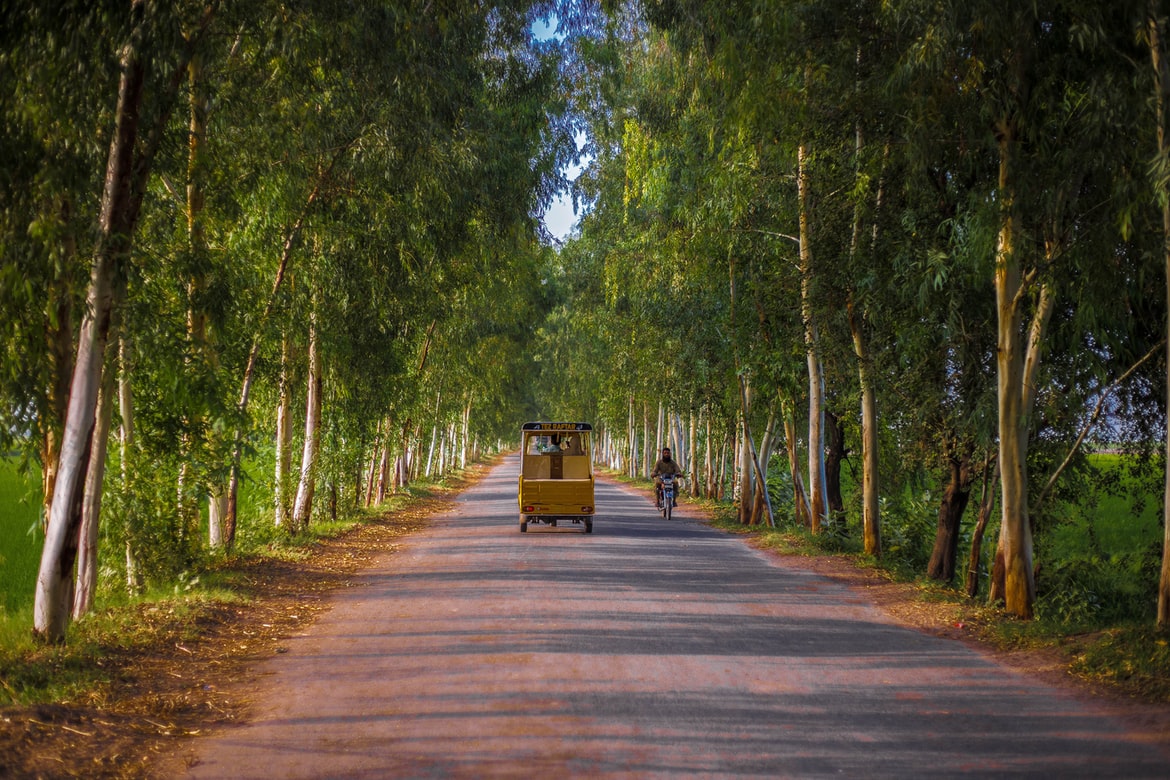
1093 421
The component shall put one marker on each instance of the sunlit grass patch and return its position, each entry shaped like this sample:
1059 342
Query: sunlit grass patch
80 669
1133 658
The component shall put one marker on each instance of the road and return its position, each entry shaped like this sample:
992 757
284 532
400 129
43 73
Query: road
645 649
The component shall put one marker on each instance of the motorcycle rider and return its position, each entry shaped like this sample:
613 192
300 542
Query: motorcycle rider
665 465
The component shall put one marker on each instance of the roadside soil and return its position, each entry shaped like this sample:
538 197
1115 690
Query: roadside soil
197 678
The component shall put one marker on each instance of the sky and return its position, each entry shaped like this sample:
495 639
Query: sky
559 218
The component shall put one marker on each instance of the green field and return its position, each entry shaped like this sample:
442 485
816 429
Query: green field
20 536
1125 520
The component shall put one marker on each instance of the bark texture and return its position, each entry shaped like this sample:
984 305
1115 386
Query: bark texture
950 515
53 600
303 506
818 499
1019 587
1155 25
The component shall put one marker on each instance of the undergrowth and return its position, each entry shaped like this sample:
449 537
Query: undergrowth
79 671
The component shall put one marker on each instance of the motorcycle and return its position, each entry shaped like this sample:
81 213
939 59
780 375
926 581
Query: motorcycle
666 500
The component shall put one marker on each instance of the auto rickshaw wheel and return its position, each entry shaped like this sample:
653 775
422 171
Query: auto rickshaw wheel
523 524
588 525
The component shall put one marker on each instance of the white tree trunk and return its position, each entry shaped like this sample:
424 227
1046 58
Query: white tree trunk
632 430
431 451
818 496
303 506
126 443
660 440
746 490
87 560
53 599
217 509
708 458
283 439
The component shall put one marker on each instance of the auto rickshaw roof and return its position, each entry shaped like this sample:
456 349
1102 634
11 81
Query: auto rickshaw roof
557 426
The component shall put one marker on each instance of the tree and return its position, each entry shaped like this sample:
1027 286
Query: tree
126 174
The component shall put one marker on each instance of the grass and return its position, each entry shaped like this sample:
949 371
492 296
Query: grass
76 672
20 536
122 625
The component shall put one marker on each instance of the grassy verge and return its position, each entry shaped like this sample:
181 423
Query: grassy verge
88 668
20 536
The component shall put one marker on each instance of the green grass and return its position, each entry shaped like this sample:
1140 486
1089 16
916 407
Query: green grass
169 610
1119 522
20 536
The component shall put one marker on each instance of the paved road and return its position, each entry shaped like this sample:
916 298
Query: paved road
644 649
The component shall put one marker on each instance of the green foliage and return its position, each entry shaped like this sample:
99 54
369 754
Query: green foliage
1089 591
908 526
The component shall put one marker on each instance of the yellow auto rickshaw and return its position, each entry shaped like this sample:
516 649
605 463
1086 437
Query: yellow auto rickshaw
556 474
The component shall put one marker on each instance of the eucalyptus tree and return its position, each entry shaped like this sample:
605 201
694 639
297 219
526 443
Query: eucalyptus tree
1153 29
47 206
155 46
1044 105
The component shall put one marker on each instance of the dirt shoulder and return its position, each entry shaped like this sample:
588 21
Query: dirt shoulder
198 676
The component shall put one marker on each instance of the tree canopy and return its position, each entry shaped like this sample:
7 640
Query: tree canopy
929 234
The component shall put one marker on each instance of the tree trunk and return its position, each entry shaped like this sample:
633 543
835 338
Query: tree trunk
708 462
466 435
818 500
692 455
632 440
372 474
1015 531
1155 27
799 498
283 438
950 515
217 511
87 560
53 598
721 480
188 509
986 504
660 441
59 335
648 458
126 443
870 517
747 493
303 506
836 453
761 483
762 456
